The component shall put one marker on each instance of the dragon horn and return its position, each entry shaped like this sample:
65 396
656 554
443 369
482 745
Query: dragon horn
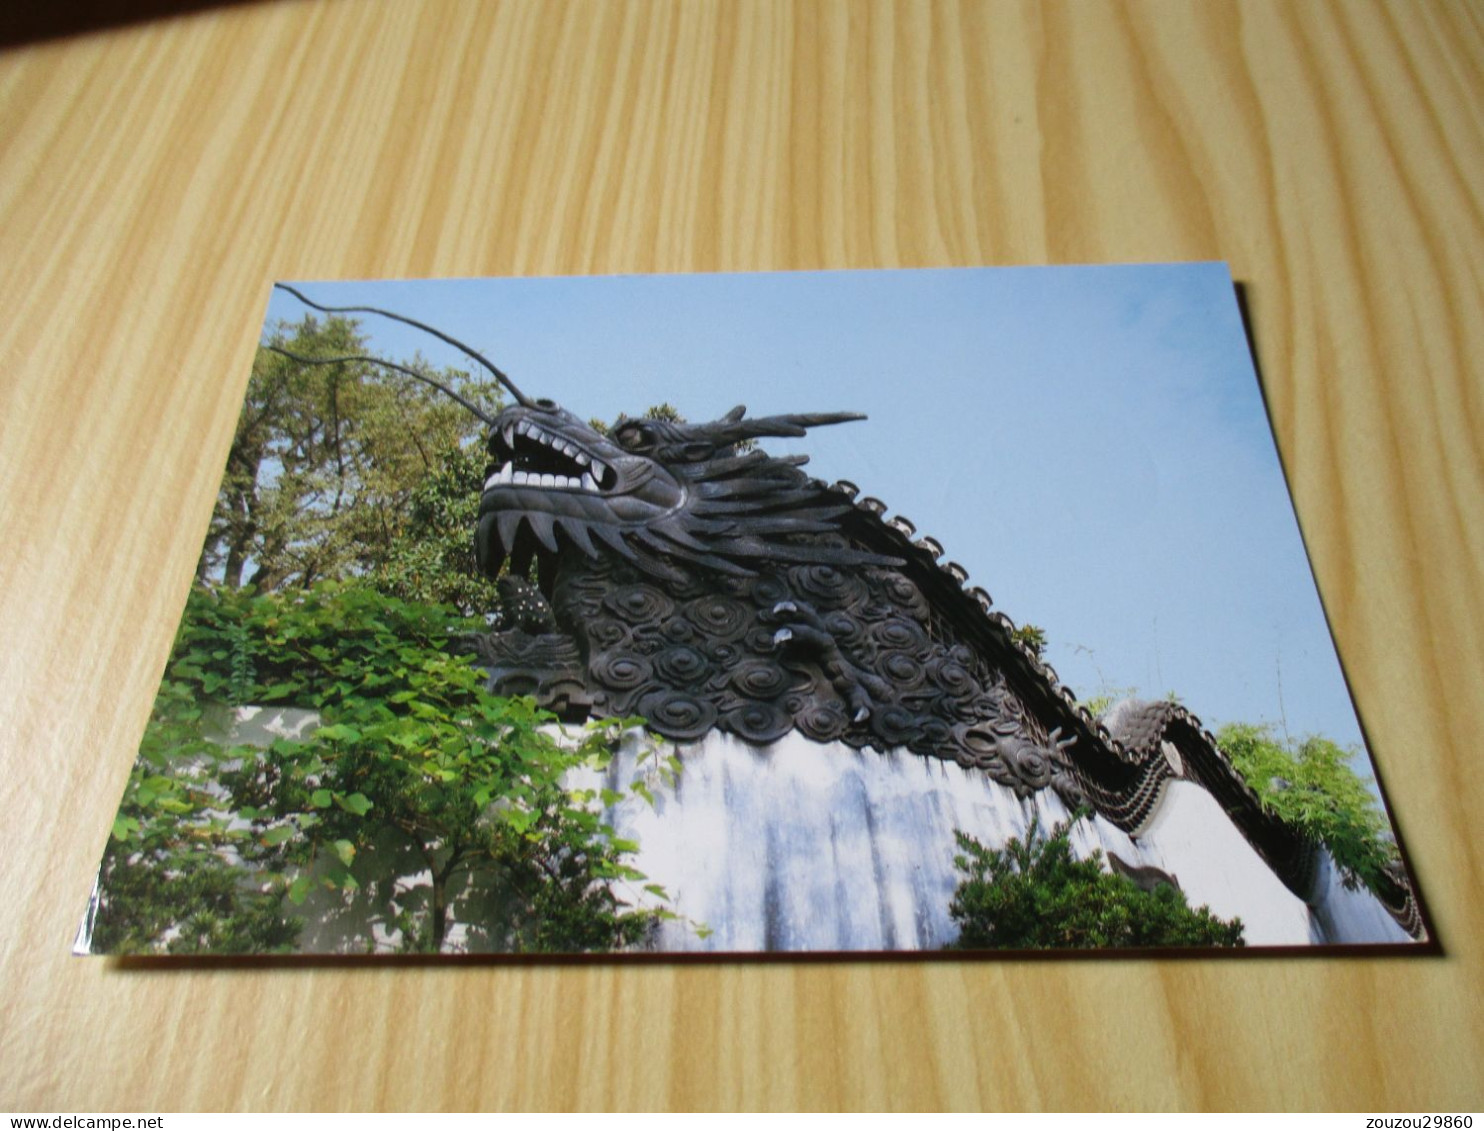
734 427
439 334
444 389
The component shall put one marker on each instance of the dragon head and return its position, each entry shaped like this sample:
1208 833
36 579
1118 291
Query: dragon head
660 494
655 492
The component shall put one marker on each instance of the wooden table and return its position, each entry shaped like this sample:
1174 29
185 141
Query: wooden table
155 179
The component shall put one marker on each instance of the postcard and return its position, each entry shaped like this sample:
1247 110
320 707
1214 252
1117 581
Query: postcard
934 612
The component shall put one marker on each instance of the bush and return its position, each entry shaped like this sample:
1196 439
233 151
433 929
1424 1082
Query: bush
1314 789
1033 895
411 746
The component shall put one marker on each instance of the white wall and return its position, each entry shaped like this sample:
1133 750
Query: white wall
800 846
806 847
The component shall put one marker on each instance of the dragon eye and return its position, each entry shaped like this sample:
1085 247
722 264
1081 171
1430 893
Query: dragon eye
633 437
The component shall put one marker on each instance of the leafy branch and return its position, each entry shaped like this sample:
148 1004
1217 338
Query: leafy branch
1032 894
411 748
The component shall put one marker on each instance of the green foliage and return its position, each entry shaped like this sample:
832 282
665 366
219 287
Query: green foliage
1101 703
325 460
156 903
431 559
337 571
1033 895
174 879
662 411
412 750
1030 636
1315 789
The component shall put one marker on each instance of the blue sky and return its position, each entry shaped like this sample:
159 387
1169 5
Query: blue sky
1089 442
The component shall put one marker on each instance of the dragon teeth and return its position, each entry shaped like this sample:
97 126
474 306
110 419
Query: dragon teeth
508 476
593 470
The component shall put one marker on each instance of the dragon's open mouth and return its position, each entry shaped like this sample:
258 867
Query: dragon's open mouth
553 479
527 455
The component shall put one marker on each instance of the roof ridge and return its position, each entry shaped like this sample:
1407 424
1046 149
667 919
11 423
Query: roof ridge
1294 866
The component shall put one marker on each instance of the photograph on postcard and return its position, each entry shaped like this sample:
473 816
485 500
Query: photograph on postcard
585 616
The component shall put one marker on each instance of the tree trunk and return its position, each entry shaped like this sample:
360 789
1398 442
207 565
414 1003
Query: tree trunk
441 877
440 911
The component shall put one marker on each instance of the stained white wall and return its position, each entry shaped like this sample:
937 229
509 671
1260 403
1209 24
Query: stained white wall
805 847
800 846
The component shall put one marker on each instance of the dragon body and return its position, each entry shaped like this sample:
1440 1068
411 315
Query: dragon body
700 583
705 588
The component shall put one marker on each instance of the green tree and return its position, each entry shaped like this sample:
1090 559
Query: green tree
211 839
1033 895
175 877
325 459
431 558
1314 788
341 537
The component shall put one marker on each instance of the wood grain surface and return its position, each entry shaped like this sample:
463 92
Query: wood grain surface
155 179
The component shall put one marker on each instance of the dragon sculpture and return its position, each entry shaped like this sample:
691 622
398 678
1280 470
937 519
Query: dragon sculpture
686 576
706 588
